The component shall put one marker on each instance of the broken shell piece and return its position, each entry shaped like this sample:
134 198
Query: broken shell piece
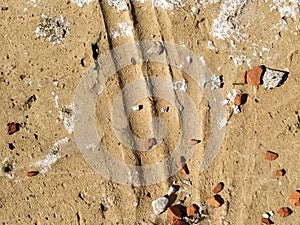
253 76
219 187
216 82
269 155
171 190
280 173
236 109
193 142
266 215
159 205
137 107
175 212
271 213
295 198
284 212
180 85
32 173
12 128
191 210
149 143
273 78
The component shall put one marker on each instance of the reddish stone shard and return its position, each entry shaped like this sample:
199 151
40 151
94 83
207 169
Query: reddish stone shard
219 187
253 76
284 212
269 155
215 201
295 198
266 221
191 210
32 173
280 173
179 222
12 128
184 168
149 143
175 212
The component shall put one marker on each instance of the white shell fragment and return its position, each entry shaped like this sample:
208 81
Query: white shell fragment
159 205
271 213
171 190
272 78
137 107
165 109
265 215
216 82
180 85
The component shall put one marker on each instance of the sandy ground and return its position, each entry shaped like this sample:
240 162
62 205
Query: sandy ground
69 191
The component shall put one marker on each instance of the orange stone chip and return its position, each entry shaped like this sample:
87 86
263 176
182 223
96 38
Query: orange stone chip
269 155
219 187
238 99
184 168
253 76
192 210
280 173
215 201
32 173
284 212
266 221
179 222
295 198
175 212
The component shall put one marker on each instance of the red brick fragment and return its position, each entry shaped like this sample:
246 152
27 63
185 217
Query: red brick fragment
32 173
253 76
149 143
174 212
280 173
191 210
295 198
269 155
215 201
219 187
12 128
284 212
266 221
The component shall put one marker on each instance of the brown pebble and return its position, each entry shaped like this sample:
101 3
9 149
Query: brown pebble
32 173
253 76
280 173
215 201
266 221
191 210
149 143
184 168
295 198
284 212
193 142
179 222
12 128
219 187
174 212
269 155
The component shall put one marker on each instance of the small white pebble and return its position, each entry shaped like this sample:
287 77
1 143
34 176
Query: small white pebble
137 107
271 213
165 109
265 215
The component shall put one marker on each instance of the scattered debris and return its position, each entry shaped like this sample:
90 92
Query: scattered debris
269 155
81 3
7 167
193 142
188 182
149 143
294 198
180 85
284 212
280 173
29 102
235 100
165 109
159 205
218 188
168 4
32 173
215 201
137 107
123 30
53 155
67 114
12 128
191 210
52 29
120 5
